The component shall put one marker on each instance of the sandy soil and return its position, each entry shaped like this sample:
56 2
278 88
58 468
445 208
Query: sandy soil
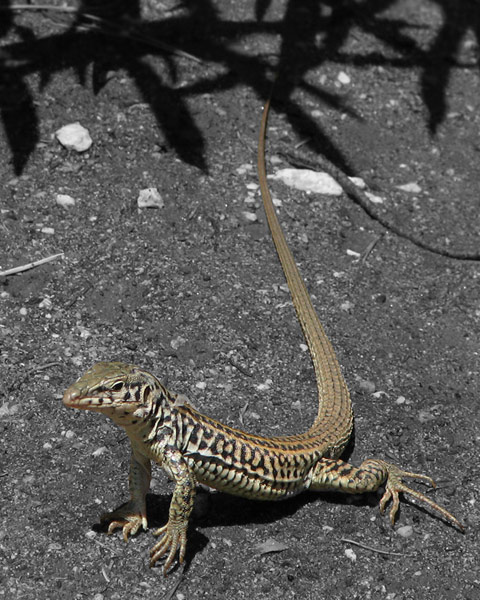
389 91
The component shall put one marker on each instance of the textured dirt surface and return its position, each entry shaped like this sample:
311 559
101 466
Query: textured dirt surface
389 91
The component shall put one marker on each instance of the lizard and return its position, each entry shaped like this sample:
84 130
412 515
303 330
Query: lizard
194 448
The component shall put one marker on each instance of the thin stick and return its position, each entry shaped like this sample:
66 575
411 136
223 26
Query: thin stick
347 541
31 265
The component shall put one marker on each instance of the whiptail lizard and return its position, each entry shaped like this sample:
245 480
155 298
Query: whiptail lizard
192 447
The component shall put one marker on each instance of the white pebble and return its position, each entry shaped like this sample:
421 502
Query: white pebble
99 451
343 78
405 531
64 200
412 187
373 198
23 311
150 198
250 216
48 230
358 181
309 181
350 554
201 385
367 386
74 137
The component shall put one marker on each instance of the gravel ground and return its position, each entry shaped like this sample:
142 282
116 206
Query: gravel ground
388 91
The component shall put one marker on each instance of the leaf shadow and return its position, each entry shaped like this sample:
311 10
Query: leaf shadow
114 36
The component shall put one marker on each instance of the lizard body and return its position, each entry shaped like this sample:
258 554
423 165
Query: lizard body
194 448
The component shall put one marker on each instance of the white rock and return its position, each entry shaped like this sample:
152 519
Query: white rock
358 181
309 181
350 554
250 216
412 187
74 137
150 198
373 198
64 200
406 531
343 78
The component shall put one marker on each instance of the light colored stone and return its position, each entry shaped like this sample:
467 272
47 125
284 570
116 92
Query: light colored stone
74 137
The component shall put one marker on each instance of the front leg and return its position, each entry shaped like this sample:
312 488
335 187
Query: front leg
133 514
175 531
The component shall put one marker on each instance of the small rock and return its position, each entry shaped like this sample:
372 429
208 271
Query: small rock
309 181
64 200
405 531
250 216
150 198
74 137
350 554
99 451
367 386
359 182
412 187
343 78
48 230
373 198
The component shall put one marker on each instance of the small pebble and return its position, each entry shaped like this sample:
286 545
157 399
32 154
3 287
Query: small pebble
343 78
64 200
309 181
405 531
358 181
150 198
99 451
350 554
367 386
373 198
250 216
412 187
74 137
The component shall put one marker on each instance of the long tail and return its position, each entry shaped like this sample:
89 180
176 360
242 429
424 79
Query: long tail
334 420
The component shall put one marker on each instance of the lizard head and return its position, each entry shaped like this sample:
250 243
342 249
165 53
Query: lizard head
120 391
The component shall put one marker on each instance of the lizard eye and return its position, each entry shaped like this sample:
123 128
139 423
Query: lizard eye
117 387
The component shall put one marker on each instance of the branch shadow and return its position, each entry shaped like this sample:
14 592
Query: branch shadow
112 35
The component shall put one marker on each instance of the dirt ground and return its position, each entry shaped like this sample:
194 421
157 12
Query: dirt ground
386 90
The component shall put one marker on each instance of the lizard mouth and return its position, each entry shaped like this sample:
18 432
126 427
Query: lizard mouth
74 399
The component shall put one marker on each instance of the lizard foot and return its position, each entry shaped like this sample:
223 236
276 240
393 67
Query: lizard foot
174 538
126 517
395 485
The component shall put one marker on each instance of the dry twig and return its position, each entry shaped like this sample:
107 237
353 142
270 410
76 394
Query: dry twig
30 265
